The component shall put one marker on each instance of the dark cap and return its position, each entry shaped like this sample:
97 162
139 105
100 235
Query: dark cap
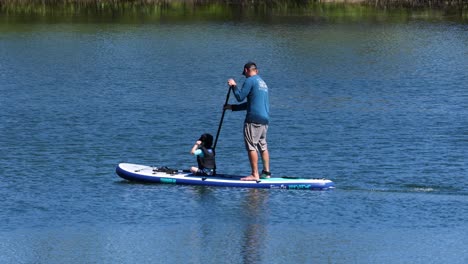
249 65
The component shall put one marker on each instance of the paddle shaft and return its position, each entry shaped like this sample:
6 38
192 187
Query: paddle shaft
222 117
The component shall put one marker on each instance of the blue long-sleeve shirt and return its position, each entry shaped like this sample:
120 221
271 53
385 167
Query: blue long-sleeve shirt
258 102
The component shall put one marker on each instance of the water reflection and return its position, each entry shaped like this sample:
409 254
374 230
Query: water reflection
171 11
231 225
254 235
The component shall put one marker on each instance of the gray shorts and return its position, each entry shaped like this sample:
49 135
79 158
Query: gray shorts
255 136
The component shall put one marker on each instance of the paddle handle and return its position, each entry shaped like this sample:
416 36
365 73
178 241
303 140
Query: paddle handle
222 117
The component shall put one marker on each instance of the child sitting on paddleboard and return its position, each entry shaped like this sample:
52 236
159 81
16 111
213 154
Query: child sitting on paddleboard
205 156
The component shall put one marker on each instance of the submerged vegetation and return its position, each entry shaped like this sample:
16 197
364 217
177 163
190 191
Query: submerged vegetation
143 10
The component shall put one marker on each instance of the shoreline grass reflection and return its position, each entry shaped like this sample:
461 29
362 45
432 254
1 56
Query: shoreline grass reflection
156 10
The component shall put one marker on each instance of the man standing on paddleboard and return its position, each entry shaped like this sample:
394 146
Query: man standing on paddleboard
256 119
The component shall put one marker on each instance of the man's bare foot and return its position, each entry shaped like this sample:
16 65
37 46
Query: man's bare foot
250 178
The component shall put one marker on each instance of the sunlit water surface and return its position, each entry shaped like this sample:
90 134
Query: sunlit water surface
380 108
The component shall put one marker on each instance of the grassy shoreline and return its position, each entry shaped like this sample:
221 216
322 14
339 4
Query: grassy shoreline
235 9
383 3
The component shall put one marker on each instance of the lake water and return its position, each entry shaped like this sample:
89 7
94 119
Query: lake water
379 107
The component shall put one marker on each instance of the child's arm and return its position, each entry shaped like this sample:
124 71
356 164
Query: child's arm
195 147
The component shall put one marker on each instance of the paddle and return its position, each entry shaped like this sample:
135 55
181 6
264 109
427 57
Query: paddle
222 118
173 171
